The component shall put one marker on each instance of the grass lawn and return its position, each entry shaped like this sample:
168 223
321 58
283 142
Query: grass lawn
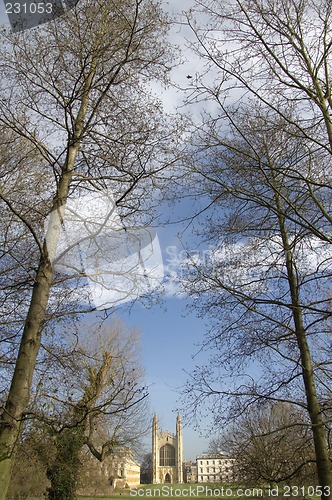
210 492
183 491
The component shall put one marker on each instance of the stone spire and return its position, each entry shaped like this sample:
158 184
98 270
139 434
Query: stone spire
179 448
155 455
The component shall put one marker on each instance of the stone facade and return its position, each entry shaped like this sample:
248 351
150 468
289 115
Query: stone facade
190 472
167 454
125 469
120 470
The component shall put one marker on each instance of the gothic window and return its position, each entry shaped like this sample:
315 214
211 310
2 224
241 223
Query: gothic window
167 456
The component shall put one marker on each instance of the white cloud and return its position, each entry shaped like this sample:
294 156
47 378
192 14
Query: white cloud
119 263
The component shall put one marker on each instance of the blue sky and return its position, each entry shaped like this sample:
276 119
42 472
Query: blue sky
171 334
168 342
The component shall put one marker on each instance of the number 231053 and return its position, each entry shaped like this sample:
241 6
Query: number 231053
28 8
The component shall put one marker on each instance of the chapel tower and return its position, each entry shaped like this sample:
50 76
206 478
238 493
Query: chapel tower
167 454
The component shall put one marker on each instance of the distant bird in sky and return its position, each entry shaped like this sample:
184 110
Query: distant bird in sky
189 76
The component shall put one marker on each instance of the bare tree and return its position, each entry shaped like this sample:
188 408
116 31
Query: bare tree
262 158
272 443
264 282
74 92
146 468
265 48
262 52
91 394
107 407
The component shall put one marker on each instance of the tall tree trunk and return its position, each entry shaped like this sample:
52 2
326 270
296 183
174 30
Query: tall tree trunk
323 463
19 393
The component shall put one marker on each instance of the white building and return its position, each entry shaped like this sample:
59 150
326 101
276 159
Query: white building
218 468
